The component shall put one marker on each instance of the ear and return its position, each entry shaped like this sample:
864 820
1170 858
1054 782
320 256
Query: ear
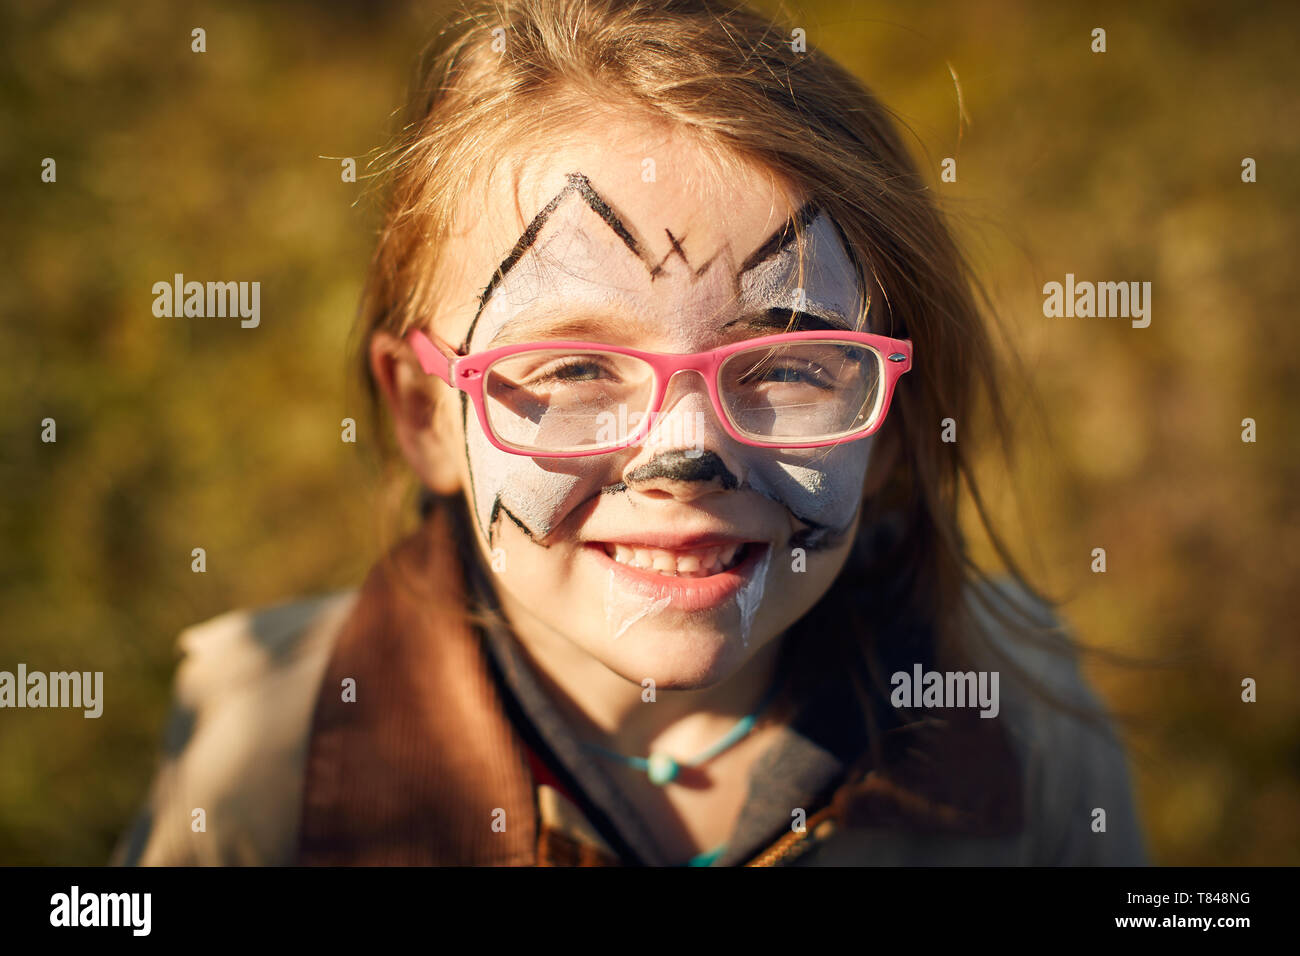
421 408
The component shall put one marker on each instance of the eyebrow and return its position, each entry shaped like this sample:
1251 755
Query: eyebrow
580 326
780 319
578 182
594 327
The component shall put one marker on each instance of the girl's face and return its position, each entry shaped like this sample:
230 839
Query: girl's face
677 559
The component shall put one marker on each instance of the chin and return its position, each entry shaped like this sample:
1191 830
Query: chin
675 659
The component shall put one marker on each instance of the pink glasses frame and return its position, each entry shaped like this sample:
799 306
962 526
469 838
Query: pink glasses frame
467 372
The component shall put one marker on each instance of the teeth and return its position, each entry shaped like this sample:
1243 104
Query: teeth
697 562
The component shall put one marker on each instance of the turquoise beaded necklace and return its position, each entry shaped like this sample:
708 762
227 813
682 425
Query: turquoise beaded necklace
663 769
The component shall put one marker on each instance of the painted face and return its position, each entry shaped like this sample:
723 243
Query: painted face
577 253
663 559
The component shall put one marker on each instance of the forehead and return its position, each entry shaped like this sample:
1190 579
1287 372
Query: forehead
638 217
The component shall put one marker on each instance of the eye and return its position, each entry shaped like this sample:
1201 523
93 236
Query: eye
564 372
787 372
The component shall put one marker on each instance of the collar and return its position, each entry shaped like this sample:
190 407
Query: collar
423 767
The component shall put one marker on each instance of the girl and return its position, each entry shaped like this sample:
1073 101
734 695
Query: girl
668 327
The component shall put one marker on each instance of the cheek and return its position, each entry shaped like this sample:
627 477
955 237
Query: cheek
515 488
823 489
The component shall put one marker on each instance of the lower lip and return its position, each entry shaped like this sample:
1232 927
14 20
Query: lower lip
687 594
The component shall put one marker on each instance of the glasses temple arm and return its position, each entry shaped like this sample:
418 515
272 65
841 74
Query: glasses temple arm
436 356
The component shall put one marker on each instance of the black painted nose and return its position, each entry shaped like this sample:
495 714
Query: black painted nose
682 475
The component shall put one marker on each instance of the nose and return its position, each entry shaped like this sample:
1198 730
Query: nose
687 453
679 474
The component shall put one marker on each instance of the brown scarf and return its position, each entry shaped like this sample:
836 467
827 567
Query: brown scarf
424 767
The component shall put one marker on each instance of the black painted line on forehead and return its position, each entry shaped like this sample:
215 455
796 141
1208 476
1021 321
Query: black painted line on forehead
782 237
578 183
705 268
802 220
678 251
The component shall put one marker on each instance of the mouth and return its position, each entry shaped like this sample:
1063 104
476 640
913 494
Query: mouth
698 578
683 563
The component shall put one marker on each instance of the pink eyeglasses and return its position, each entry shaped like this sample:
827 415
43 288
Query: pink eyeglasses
571 399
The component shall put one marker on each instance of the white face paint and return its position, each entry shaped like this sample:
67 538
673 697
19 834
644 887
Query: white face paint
822 486
751 596
623 607
574 262
579 259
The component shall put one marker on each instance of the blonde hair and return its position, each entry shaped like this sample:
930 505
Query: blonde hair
507 72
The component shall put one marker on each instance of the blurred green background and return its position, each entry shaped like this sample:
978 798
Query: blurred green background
175 433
